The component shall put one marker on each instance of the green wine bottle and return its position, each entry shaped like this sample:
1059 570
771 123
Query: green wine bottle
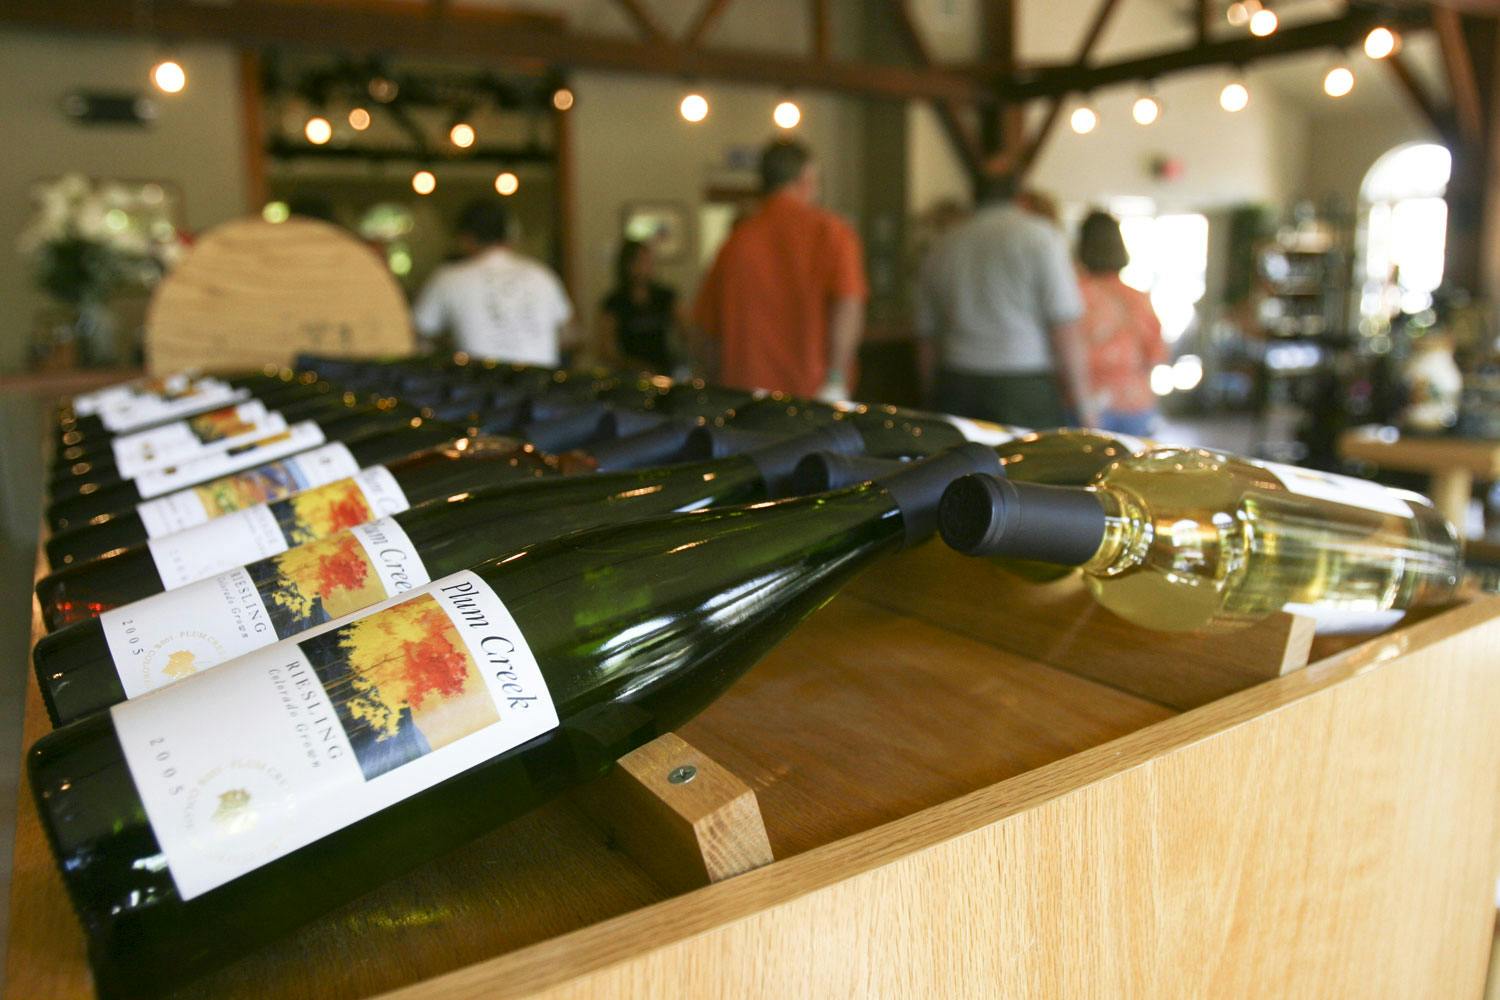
277 480
89 500
130 455
362 751
171 399
85 590
150 643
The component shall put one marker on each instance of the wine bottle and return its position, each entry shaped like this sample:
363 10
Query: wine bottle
149 643
216 617
184 842
149 386
129 455
1187 540
92 499
274 481
351 416
918 432
202 395
84 590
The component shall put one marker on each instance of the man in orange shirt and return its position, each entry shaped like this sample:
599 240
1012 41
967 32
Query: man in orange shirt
785 298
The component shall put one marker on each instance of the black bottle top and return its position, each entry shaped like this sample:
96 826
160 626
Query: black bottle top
990 516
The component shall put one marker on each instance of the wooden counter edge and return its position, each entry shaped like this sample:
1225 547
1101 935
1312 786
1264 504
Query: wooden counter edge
632 936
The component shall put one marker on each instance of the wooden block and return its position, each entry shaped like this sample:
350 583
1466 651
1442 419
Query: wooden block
679 814
252 293
1059 623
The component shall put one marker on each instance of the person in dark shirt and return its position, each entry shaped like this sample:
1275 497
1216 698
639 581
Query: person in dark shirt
640 314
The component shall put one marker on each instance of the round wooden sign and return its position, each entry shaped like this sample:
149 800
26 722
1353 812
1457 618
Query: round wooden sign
252 292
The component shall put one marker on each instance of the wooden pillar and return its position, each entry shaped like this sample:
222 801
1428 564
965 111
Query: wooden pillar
1003 129
252 131
1473 248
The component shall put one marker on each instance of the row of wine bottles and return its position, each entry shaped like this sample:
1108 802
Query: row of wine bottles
327 668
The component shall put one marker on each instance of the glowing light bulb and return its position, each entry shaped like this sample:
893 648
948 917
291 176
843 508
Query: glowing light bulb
507 184
786 114
423 182
562 99
1338 82
694 108
1146 110
1264 22
1381 42
461 135
169 77
1084 120
359 119
318 130
1234 97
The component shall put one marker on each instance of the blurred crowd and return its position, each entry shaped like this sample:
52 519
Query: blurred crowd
1015 322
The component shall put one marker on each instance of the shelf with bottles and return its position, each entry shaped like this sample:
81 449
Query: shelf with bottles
1302 274
937 706
950 760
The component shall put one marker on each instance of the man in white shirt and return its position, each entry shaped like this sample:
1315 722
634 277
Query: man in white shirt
497 304
997 311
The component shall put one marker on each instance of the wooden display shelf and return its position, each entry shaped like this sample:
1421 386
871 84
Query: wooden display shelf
970 786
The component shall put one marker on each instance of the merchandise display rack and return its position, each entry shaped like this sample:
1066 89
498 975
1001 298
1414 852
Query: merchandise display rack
950 781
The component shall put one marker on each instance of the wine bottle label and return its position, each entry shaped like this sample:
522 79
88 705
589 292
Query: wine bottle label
139 412
246 763
1336 620
124 392
1340 489
297 437
984 432
166 637
270 482
196 439
210 426
270 529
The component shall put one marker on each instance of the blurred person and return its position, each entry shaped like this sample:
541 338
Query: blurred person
498 304
997 308
785 297
637 318
1120 330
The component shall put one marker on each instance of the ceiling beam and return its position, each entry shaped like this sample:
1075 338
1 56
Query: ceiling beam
1459 64
643 20
1102 15
707 17
487 37
1417 93
822 29
965 143
1335 33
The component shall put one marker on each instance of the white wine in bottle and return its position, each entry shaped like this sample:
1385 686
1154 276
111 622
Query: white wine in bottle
1187 540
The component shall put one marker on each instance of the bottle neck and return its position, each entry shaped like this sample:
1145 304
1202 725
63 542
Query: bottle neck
440 473
1127 533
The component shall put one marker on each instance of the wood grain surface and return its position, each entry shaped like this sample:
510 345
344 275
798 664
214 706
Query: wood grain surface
1059 623
861 717
702 828
251 293
1329 834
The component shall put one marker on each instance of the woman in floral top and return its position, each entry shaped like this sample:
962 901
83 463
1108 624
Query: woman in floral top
1120 331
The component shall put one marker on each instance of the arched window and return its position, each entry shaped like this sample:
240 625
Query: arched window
1405 230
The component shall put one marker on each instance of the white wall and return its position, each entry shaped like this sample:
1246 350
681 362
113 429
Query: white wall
1342 148
195 144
